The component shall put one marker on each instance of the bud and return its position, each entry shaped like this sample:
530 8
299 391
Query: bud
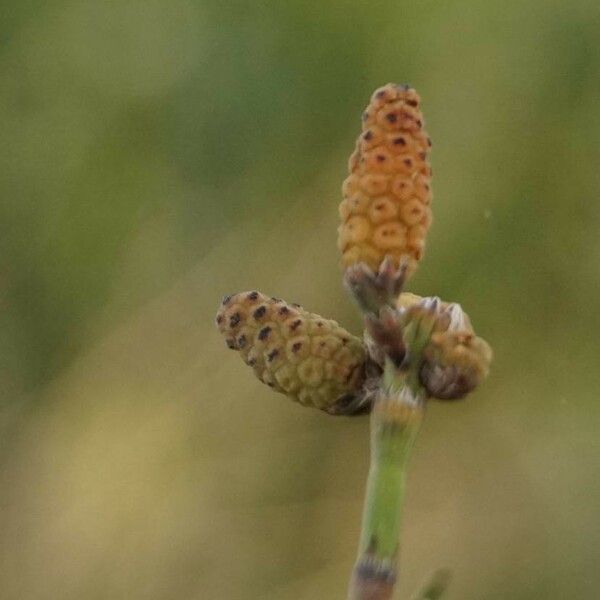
385 210
312 360
455 361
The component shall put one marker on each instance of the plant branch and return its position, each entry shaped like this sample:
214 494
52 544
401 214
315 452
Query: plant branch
396 418
395 423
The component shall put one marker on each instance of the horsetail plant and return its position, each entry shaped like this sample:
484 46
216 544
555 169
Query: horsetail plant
413 349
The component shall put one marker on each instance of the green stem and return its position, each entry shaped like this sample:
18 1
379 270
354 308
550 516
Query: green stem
391 442
395 420
395 423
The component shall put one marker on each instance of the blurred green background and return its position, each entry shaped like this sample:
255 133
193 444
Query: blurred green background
158 154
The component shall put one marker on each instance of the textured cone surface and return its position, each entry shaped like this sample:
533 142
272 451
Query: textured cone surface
456 362
387 195
311 359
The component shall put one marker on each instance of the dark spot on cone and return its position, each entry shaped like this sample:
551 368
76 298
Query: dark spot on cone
259 312
263 334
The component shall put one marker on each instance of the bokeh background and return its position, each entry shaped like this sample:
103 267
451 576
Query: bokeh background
158 154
